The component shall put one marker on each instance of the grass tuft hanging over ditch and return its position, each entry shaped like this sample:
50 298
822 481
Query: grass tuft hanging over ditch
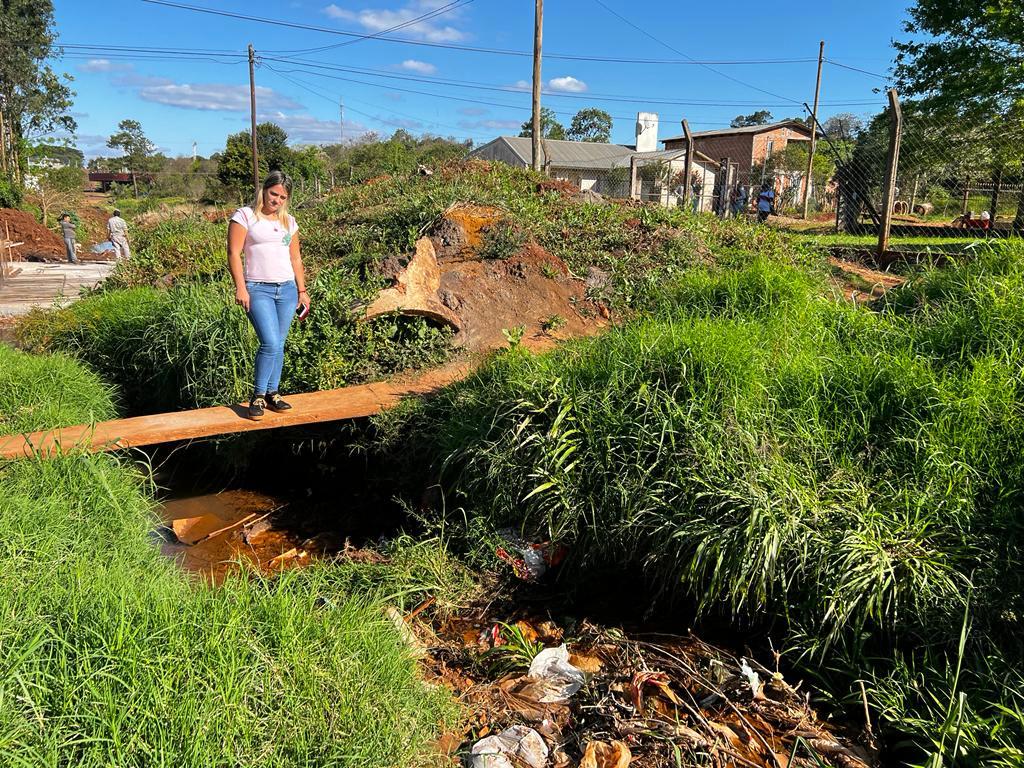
849 480
111 656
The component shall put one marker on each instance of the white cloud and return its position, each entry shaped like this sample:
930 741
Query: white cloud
103 65
418 66
338 13
520 85
215 96
473 111
377 20
492 125
307 129
567 84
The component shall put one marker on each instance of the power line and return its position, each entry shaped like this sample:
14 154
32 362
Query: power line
455 4
686 56
589 96
473 49
857 69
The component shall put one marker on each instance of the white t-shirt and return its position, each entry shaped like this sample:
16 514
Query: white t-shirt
267 247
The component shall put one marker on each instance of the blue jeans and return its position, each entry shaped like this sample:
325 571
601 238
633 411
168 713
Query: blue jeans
271 309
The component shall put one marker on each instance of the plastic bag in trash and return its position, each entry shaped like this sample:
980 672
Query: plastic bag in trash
513 747
529 561
561 678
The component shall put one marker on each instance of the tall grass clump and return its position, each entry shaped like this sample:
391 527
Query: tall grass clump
848 480
111 656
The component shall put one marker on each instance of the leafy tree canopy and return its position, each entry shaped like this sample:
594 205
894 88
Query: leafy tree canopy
761 117
591 125
843 127
33 98
964 57
550 128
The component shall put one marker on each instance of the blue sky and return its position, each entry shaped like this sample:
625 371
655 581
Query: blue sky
437 89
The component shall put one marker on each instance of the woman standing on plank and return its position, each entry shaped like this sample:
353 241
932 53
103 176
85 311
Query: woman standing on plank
271 285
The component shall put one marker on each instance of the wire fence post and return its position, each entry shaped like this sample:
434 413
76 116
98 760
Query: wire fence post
634 191
891 164
688 164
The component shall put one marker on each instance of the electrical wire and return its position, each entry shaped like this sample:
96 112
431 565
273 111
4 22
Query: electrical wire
857 69
658 40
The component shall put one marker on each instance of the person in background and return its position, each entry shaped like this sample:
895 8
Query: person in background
117 231
271 283
765 202
68 228
741 199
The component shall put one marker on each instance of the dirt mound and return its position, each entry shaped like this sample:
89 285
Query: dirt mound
39 243
530 297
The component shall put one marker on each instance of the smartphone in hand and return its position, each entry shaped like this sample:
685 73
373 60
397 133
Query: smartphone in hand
302 311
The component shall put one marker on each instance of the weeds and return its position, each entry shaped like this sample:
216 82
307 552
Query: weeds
111 656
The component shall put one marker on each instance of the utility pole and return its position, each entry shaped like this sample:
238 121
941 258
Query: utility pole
892 164
252 110
814 130
688 165
538 27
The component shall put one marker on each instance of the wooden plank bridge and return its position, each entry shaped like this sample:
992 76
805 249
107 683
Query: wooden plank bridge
311 408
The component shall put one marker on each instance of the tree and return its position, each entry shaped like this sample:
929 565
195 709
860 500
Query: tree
131 140
761 117
550 128
53 189
963 62
33 99
591 125
843 127
67 155
234 166
964 57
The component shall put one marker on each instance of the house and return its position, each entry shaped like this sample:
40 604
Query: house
745 147
606 168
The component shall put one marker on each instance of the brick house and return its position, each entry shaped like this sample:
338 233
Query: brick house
745 147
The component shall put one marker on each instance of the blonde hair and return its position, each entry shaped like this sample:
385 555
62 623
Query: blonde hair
273 179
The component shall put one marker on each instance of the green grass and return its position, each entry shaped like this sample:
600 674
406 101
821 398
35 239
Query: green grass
111 656
851 480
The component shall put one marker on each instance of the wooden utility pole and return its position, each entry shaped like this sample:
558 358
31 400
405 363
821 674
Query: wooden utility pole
688 164
252 110
3 141
814 131
892 162
538 27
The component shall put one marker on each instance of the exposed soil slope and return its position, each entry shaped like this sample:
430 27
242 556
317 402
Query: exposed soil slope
39 243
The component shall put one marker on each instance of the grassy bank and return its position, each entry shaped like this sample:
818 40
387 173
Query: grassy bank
163 329
848 480
110 656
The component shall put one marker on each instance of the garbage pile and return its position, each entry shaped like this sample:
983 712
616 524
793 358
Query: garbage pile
545 695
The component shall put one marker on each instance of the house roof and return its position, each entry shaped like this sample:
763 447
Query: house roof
584 154
796 124
571 154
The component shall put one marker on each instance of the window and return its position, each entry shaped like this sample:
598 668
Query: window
768 150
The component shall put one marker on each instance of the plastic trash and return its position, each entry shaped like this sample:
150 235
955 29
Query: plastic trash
529 561
103 247
512 748
753 679
561 678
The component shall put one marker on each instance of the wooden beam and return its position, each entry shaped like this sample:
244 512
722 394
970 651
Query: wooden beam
311 408
891 167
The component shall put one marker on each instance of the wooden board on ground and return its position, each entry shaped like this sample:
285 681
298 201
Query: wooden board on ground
311 408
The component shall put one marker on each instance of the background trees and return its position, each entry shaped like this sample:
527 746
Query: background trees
591 125
33 98
550 128
136 147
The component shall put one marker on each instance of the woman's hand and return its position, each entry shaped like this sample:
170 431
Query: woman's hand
242 297
303 299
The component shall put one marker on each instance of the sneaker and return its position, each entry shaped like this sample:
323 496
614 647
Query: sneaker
275 403
256 406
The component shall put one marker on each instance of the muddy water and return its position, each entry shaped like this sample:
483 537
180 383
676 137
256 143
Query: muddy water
211 534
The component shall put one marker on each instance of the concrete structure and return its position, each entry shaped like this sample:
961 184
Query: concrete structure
746 147
605 168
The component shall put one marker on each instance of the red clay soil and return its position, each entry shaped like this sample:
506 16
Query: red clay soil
850 277
39 243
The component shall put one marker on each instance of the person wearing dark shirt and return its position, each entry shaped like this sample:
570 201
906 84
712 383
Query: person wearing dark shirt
68 228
